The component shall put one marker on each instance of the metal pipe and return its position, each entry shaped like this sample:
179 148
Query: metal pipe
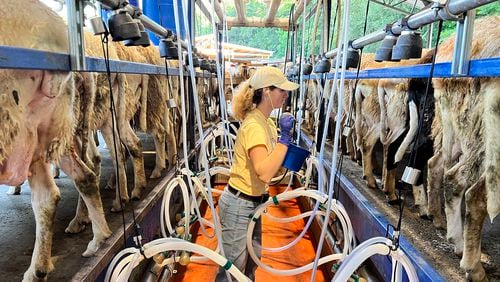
111 4
424 17
154 27
146 21
429 36
463 44
75 35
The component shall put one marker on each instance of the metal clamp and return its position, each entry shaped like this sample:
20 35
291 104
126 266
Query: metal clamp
171 104
442 10
347 131
410 175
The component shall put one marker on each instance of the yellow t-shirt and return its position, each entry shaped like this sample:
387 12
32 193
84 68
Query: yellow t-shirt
255 130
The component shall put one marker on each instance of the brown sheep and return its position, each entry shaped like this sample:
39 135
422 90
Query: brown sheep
125 105
160 119
469 114
367 122
394 111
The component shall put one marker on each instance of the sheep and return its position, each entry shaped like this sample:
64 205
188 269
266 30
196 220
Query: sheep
468 146
160 119
395 107
37 110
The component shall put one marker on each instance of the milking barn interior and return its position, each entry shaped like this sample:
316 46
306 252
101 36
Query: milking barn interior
119 138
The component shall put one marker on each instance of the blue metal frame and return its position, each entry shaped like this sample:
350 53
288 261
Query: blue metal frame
22 58
478 68
368 222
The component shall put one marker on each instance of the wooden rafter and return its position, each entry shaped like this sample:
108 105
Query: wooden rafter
204 10
258 22
299 8
240 10
206 6
218 10
271 12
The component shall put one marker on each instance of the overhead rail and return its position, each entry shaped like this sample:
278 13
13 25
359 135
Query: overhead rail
22 58
451 10
258 22
368 222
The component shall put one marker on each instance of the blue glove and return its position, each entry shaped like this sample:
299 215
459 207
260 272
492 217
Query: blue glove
286 124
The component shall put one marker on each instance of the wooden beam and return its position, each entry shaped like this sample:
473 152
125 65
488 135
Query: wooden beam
299 9
218 10
240 10
273 8
204 10
257 22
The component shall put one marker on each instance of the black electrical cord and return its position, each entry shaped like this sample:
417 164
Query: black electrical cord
340 161
413 158
420 125
278 181
174 113
334 21
137 228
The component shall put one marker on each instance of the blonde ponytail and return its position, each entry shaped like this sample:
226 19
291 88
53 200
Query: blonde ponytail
242 101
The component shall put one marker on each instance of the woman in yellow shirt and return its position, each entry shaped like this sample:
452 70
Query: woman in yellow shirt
257 158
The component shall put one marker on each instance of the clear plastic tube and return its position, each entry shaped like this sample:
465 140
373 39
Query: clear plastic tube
345 44
375 246
312 162
165 211
318 196
298 238
125 266
197 111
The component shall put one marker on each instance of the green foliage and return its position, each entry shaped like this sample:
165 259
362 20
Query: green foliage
275 39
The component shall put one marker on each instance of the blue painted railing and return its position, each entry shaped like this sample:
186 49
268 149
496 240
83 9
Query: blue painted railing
21 58
478 68
368 222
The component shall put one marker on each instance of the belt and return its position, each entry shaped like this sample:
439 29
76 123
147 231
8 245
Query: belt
239 194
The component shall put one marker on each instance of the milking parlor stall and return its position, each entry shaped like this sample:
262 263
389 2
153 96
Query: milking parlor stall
117 139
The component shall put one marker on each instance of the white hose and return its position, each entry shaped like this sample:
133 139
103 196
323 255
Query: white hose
210 141
114 261
124 268
293 218
375 246
197 181
318 196
165 211
220 78
301 77
298 238
197 111
312 162
345 34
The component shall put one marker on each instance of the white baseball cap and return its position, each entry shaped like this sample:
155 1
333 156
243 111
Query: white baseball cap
271 76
